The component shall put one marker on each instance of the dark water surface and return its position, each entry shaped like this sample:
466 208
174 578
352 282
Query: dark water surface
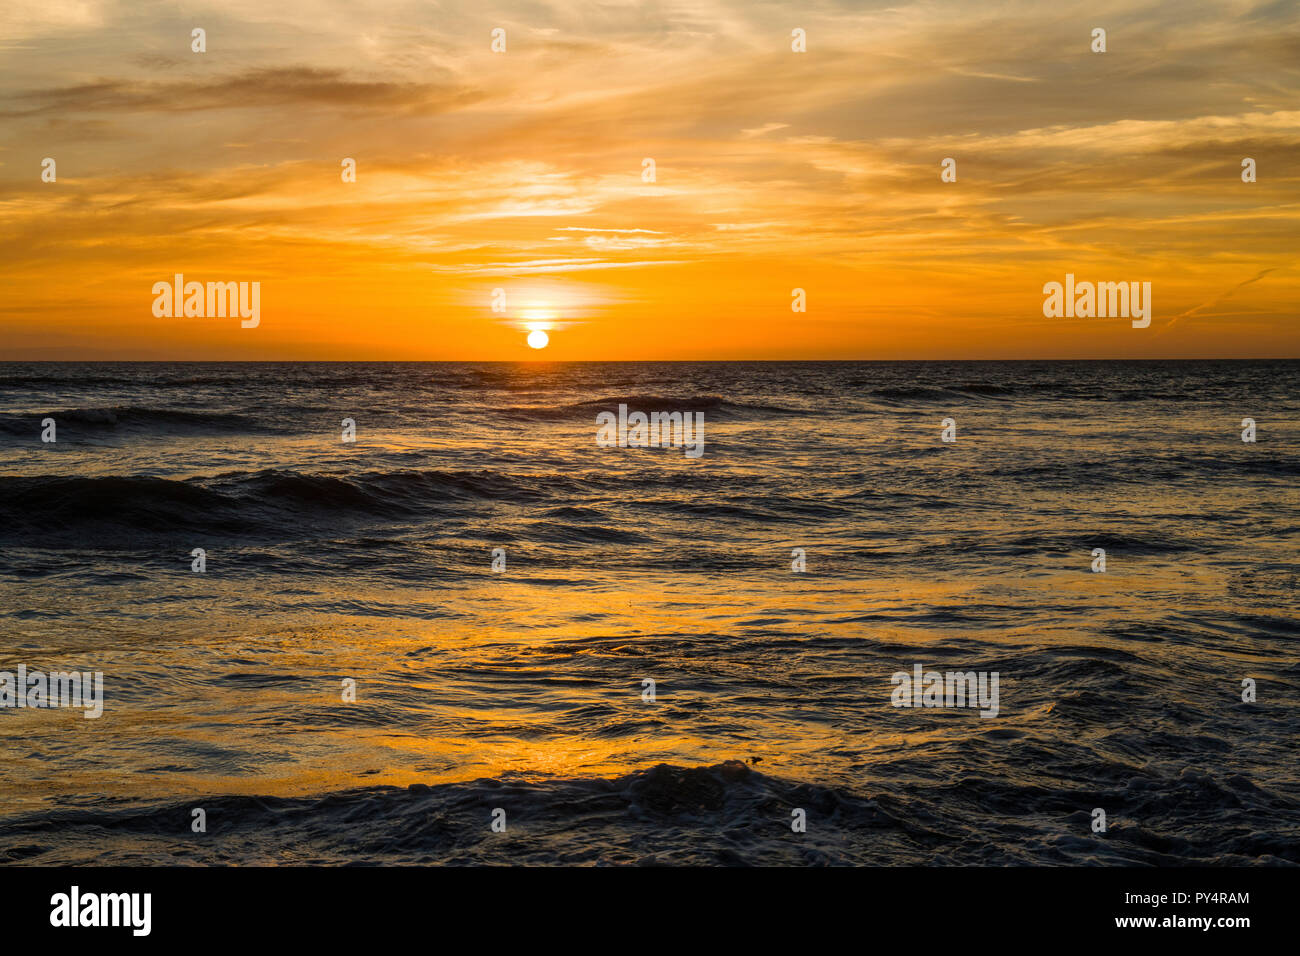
523 689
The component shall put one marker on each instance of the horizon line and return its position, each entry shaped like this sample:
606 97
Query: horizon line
791 361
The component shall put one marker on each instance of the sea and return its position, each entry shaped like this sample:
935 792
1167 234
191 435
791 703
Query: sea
473 634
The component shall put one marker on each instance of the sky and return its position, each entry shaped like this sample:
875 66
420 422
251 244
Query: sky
524 171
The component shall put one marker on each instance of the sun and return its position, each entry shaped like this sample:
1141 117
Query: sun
537 320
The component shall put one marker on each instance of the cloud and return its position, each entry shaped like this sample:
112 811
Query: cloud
264 87
543 266
1219 298
765 128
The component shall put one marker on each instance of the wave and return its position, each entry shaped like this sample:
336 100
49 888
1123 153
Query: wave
713 405
285 504
976 390
662 815
76 422
238 503
727 814
1169 467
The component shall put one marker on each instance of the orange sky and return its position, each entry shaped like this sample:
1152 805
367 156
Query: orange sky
522 171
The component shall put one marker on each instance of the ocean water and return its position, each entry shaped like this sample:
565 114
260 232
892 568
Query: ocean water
522 689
